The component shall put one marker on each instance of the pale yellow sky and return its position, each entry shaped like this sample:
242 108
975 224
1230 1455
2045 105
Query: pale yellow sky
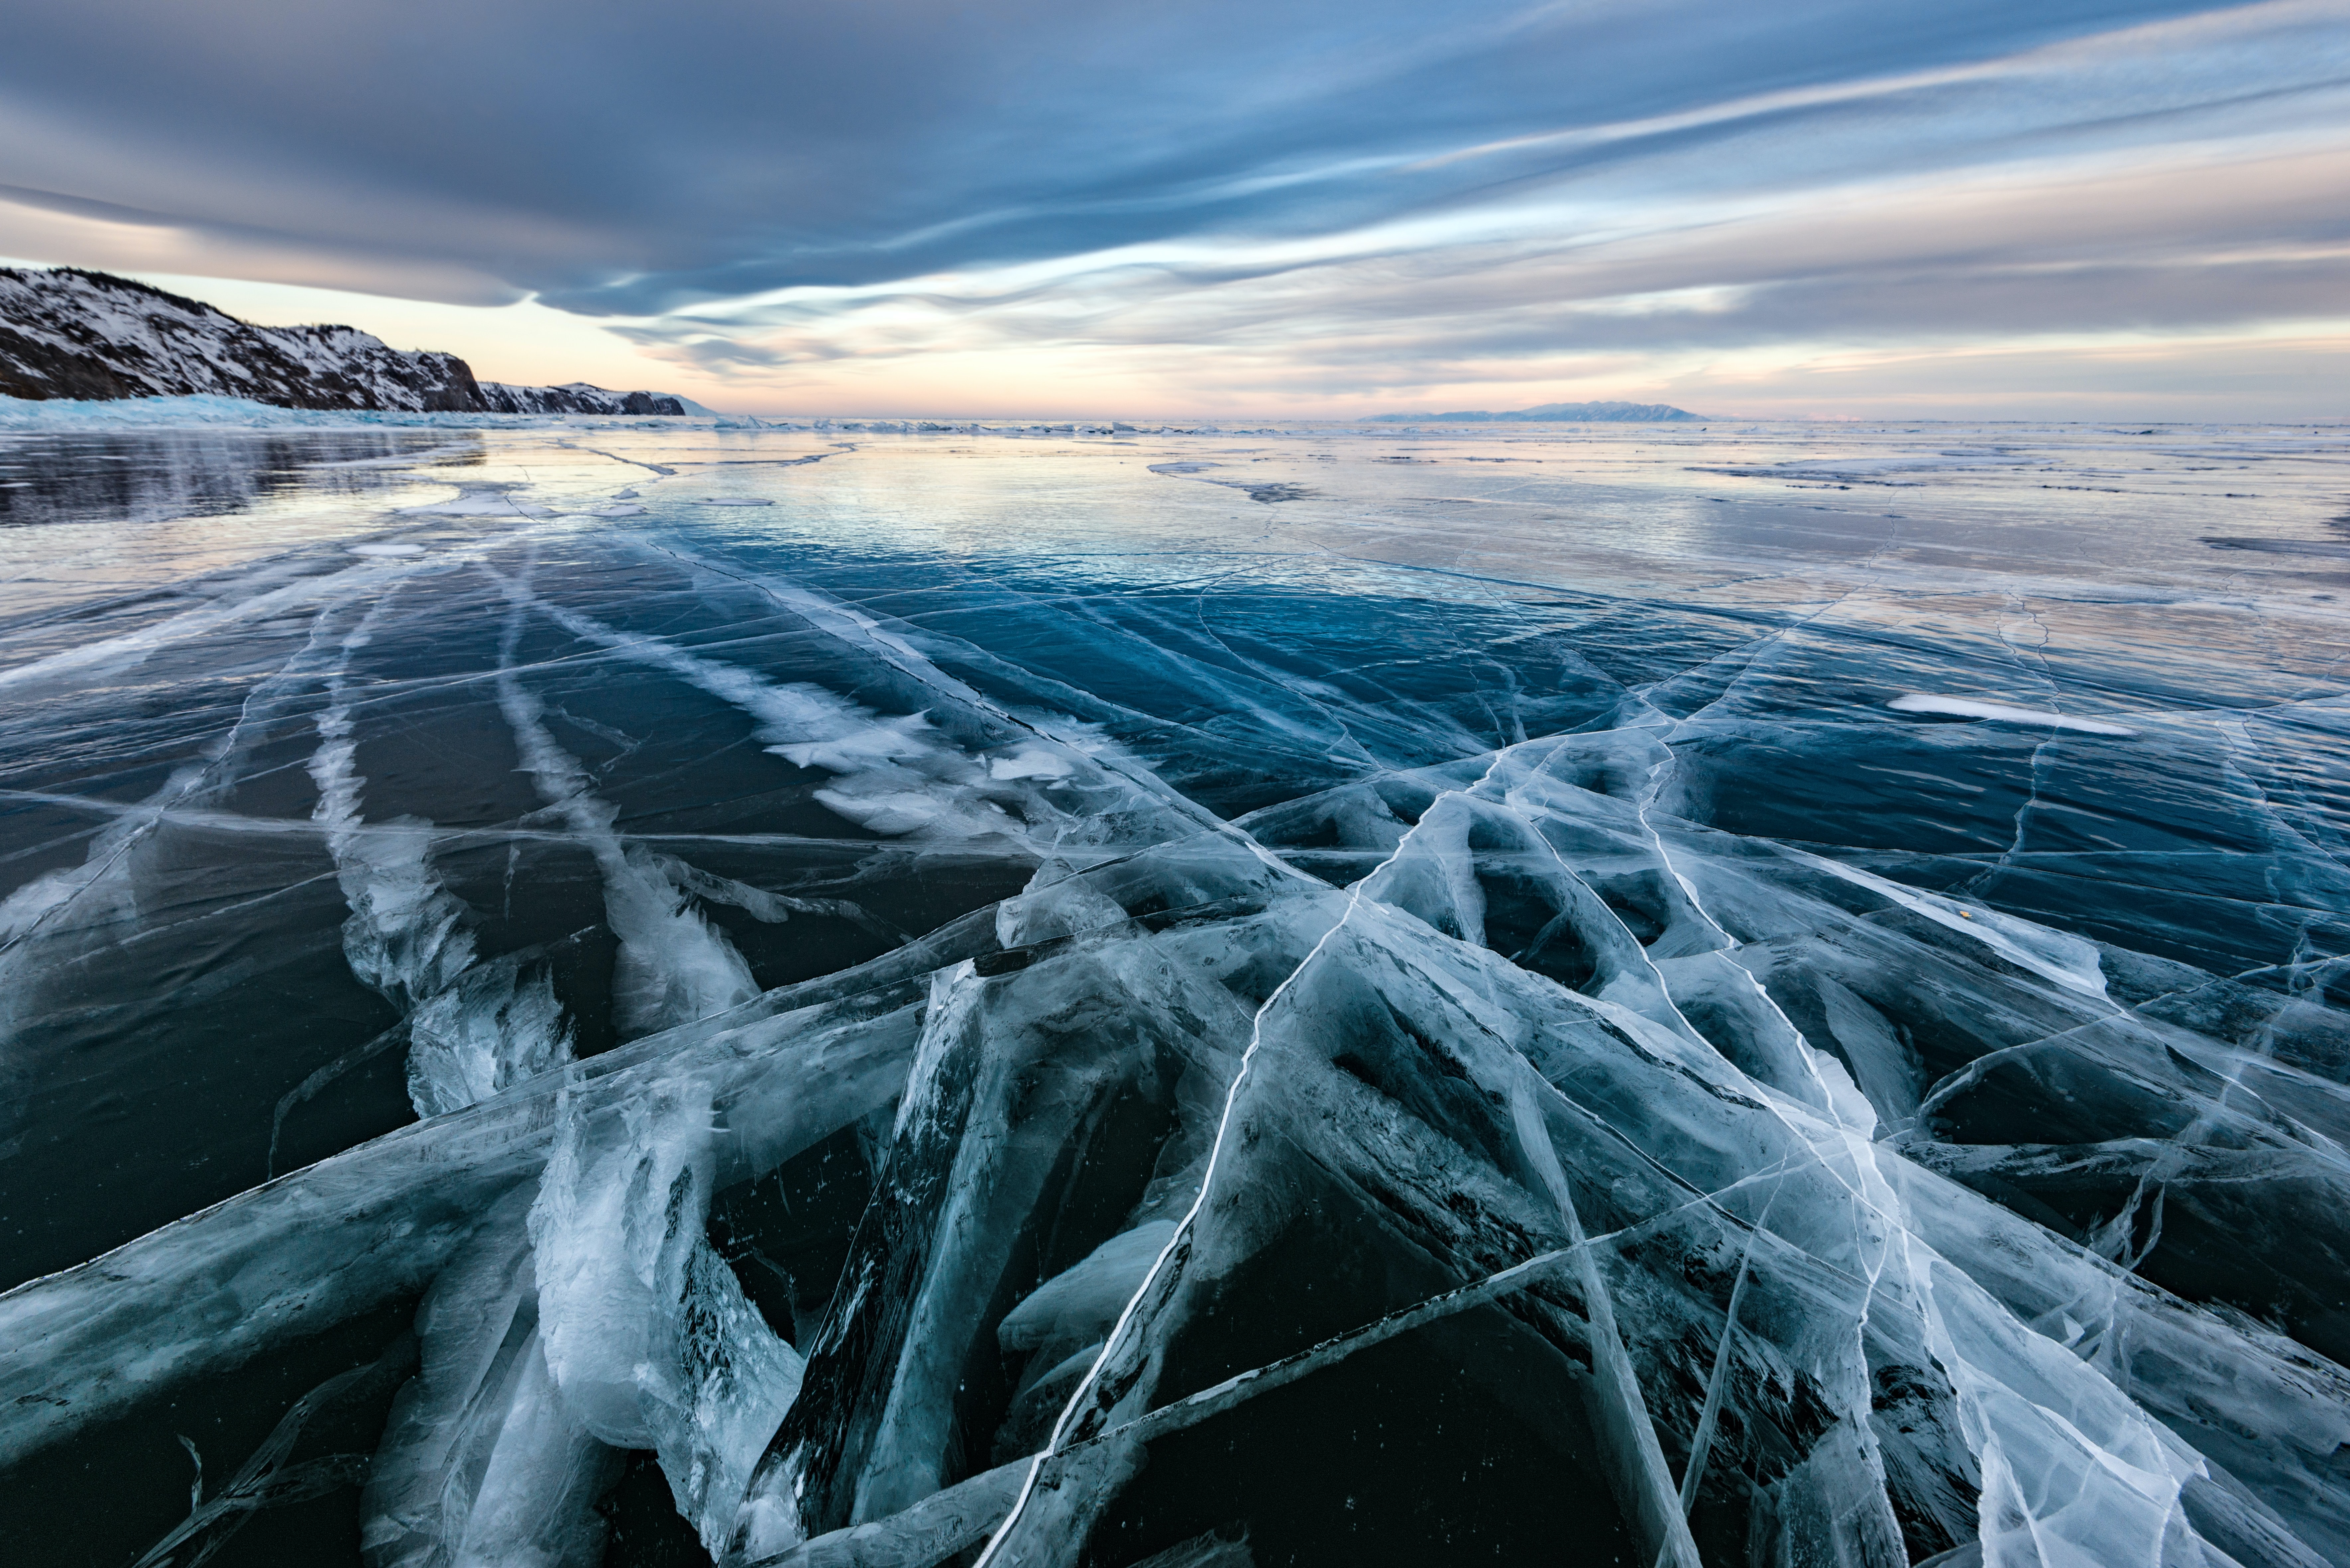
2151 374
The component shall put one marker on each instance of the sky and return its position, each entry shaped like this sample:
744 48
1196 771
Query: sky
2026 209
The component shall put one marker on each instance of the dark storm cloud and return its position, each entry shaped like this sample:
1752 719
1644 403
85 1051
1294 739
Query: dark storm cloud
629 160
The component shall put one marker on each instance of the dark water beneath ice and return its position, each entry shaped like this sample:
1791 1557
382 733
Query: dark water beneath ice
1726 976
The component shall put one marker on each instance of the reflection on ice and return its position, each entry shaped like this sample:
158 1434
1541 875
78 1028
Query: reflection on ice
977 1005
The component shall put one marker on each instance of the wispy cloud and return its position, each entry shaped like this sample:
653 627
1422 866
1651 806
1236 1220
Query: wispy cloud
1277 199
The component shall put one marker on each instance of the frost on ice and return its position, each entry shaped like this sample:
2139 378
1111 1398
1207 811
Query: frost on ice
1483 1139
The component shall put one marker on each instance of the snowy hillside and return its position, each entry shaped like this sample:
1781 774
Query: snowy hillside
66 333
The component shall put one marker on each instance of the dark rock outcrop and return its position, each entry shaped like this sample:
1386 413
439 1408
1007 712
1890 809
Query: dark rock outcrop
574 398
67 333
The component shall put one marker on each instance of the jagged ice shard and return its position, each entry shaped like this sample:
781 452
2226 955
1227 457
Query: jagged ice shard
576 993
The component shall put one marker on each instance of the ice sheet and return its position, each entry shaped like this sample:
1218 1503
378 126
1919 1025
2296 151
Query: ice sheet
1072 994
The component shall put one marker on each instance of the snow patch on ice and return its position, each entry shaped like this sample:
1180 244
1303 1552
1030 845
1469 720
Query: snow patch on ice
673 967
1974 708
897 775
1030 762
473 1031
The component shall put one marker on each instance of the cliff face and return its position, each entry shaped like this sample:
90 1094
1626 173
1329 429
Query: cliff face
571 397
67 333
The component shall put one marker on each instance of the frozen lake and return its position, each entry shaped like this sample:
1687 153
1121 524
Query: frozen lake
646 993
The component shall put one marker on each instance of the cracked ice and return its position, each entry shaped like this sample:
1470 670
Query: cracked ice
995 999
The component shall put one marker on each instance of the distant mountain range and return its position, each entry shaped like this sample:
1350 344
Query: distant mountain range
1627 413
67 333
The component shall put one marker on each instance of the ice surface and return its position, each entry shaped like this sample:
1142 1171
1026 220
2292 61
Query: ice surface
999 998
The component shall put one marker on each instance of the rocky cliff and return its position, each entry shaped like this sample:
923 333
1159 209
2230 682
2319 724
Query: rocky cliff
66 333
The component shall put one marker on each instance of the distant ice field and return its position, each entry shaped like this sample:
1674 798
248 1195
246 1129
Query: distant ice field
638 992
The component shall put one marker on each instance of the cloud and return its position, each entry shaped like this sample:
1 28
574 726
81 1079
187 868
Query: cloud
2105 244
1373 188
686 343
